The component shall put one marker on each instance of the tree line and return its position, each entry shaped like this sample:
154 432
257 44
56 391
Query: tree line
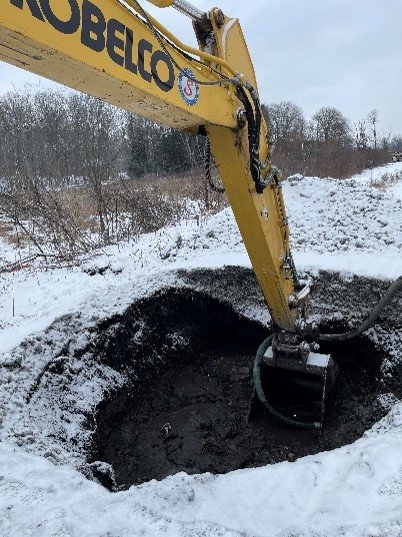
327 144
76 172
58 138
72 170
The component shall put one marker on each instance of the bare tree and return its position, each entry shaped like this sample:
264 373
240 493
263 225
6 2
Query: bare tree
396 143
286 122
373 120
331 125
361 135
98 136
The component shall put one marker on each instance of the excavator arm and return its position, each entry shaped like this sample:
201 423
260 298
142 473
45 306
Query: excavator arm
116 51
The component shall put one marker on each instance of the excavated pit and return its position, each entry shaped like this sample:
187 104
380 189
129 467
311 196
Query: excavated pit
186 404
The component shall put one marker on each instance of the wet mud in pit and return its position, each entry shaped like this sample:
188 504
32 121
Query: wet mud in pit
187 409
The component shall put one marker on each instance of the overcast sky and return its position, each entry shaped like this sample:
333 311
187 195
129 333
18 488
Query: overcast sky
342 53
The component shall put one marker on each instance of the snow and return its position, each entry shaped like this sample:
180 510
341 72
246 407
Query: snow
390 172
351 226
373 176
8 253
375 265
352 491
336 225
319 360
397 189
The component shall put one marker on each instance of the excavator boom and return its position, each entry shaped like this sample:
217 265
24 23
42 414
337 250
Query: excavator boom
116 51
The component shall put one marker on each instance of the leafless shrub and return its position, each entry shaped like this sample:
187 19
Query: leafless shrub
46 221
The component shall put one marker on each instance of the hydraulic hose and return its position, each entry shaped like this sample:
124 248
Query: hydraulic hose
386 299
261 395
207 165
161 33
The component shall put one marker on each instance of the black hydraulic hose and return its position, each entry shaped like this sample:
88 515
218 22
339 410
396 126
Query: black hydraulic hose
254 123
253 139
261 395
386 299
207 164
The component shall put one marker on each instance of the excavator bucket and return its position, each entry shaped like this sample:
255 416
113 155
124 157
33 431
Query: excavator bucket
294 390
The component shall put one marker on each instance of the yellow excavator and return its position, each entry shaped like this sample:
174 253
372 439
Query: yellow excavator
116 51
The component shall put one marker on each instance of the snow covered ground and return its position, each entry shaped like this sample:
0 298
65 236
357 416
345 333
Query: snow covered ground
353 491
377 175
345 225
349 226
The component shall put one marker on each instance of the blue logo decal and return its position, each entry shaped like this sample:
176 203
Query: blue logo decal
189 89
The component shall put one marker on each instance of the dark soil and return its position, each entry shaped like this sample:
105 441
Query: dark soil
187 409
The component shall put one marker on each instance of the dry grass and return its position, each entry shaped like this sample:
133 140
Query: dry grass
187 185
67 221
386 180
9 235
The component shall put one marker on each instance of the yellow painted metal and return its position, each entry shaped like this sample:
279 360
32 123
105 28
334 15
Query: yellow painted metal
162 3
260 220
38 47
231 46
261 217
216 60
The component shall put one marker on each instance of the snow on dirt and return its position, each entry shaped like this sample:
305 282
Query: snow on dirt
377 175
350 226
352 491
340 225
389 175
